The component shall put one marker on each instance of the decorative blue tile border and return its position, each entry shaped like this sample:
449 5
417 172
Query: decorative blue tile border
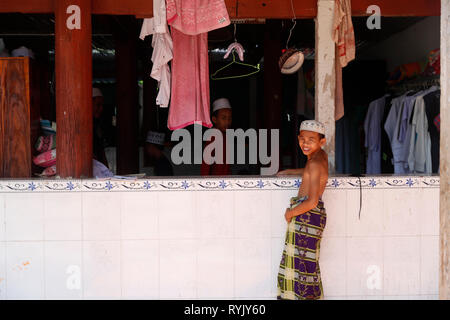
217 184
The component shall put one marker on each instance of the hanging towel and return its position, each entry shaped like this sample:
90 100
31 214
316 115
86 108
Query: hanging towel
190 83
344 38
191 20
193 17
162 50
343 33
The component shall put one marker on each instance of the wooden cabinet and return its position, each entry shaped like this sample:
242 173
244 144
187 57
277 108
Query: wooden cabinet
19 117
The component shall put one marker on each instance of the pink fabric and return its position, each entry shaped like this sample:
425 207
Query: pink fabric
48 172
189 103
46 159
193 17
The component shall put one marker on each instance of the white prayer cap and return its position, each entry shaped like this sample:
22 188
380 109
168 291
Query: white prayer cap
313 125
22 52
221 103
155 137
96 93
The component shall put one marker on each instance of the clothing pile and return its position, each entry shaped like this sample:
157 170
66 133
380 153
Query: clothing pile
46 146
186 45
428 67
404 130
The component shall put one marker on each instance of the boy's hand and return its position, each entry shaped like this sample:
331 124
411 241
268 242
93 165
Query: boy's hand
284 172
287 215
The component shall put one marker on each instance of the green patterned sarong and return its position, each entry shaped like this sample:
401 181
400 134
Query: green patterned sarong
299 273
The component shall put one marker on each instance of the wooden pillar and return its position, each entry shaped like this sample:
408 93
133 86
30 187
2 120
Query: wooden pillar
444 240
272 75
150 92
127 100
73 76
325 76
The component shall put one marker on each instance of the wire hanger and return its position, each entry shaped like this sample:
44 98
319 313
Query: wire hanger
292 28
233 48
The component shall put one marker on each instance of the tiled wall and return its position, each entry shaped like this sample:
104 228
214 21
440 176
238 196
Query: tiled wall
212 239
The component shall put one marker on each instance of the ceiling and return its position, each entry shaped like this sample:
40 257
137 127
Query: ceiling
36 31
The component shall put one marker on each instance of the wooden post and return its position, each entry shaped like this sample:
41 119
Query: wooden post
444 240
127 100
150 91
73 76
272 75
325 76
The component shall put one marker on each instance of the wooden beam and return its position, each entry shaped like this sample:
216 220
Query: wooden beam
73 78
272 75
276 9
269 9
27 6
399 8
126 98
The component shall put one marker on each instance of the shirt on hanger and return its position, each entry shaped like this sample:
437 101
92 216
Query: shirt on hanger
419 158
162 50
432 109
372 128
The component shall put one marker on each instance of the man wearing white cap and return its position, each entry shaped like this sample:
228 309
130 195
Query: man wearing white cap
221 118
299 274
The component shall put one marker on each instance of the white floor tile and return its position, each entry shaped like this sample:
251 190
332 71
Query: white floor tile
101 216
25 270
335 202
368 223
253 268
101 270
365 266
2 219
2 270
63 270
401 266
62 216
24 215
215 214
178 264
139 215
429 265
279 203
428 206
140 269
401 214
177 218
332 262
252 217
215 270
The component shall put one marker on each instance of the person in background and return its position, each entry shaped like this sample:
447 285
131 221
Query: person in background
154 146
221 118
98 134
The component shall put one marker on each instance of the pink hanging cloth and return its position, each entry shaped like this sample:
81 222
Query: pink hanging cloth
193 17
191 20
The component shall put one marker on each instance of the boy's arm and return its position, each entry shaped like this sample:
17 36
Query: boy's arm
314 170
289 172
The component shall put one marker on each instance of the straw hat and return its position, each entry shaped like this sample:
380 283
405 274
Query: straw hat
290 61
